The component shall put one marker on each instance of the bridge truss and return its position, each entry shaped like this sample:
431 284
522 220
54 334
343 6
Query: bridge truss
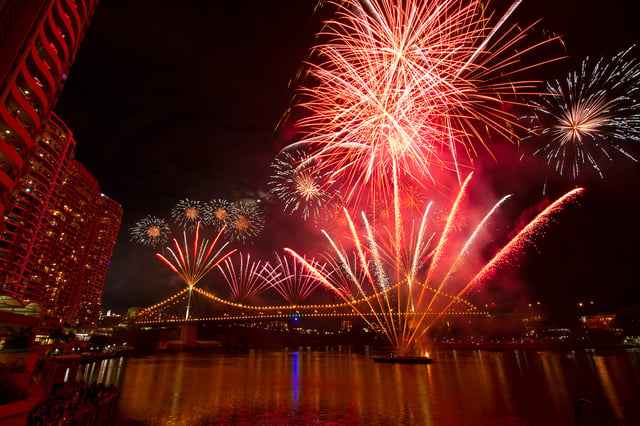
207 307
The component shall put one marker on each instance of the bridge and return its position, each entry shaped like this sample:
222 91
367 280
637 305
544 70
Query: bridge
206 307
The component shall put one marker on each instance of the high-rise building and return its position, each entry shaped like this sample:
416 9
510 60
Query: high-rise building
57 230
71 268
24 224
38 43
86 307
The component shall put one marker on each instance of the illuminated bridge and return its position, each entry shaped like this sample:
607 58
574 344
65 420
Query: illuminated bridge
206 307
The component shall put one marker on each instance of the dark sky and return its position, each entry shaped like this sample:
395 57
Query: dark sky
171 100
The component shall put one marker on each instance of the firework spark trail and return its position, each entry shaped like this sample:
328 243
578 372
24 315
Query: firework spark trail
246 280
449 228
589 115
358 245
359 261
289 281
524 237
461 257
455 266
408 261
192 268
193 271
474 236
150 231
380 282
345 278
402 83
378 286
376 295
382 279
404 321
415 264
320 276
372 280
516 245
484 43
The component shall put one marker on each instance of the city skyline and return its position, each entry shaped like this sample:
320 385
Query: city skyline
190 113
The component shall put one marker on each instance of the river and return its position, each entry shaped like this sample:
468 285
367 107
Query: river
342 386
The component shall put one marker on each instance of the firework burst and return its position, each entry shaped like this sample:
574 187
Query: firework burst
346 274
400 88
411 200
589 115
300 184
246 221
408 288
188 213
150 231
289 279
192 267
217 213
245 280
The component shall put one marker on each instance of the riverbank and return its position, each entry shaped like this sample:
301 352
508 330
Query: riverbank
92 356
536 345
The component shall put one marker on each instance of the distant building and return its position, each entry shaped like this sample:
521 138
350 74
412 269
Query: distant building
100 244
57 230
602 321
132 312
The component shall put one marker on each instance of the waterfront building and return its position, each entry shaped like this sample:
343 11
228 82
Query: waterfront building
601 321
81 231
24 223
38 43
57 230
346 326
133 311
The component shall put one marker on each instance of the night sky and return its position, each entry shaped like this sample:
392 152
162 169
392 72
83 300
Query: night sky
169 101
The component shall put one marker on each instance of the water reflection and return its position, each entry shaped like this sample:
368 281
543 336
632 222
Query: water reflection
105 371
295 381
343 387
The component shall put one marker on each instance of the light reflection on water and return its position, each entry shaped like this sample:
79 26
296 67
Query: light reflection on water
106 371
299 387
